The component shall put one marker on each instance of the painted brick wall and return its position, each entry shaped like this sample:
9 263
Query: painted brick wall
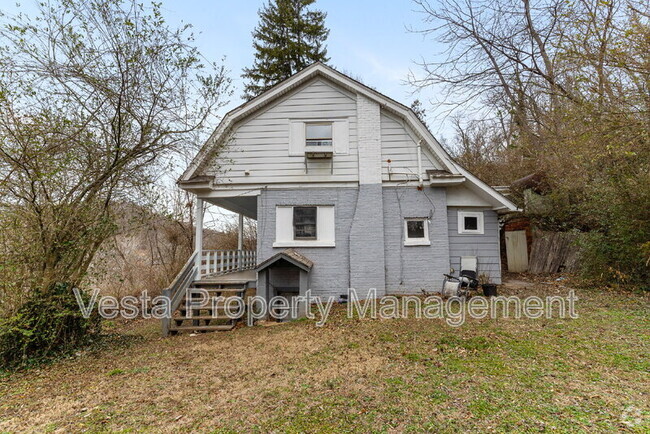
330 275
367 267
369 137
409 269
485 247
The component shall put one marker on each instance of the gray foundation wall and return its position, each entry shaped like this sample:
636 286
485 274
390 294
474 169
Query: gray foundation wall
485 246
411 269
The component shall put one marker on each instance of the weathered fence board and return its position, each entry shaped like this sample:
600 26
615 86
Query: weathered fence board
553 252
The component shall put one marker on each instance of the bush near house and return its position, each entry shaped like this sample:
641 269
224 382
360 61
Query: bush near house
49 324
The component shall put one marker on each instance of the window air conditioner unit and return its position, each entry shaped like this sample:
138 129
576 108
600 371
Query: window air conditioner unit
321 149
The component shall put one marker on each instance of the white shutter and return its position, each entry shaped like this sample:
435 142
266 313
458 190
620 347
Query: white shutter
326 224
296 138
341 137
283 224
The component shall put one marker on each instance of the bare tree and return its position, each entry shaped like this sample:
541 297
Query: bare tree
565 87
95 96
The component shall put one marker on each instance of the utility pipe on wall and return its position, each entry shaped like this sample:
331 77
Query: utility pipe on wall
420 180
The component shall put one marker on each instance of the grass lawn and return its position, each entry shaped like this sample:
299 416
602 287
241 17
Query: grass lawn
587 374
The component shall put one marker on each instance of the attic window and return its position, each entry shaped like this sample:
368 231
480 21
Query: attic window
318 134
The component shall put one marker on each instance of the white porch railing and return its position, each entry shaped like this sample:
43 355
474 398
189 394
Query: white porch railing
227 261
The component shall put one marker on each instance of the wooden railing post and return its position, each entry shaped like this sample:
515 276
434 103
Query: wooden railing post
225 261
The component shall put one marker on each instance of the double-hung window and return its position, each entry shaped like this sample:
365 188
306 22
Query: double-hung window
305 223
319 136
304 226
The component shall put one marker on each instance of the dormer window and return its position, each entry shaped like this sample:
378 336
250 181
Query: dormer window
318 134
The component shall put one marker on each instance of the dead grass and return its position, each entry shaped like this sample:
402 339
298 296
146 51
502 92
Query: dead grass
588 374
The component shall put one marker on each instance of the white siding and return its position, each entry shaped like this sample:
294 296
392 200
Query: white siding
399 145
260 144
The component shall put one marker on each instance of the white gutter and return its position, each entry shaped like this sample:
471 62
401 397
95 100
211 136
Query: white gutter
420 181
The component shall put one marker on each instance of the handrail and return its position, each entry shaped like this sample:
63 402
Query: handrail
210 262
178 288
227 261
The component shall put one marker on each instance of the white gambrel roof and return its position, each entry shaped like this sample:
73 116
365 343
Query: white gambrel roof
321 70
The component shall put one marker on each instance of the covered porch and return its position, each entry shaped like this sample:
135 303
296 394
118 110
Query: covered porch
220 263
219 272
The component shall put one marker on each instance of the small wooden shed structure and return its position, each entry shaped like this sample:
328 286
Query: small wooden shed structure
285 274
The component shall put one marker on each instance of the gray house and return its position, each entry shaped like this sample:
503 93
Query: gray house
349 190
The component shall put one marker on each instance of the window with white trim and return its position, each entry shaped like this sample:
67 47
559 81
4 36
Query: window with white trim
470 222
416 232
315 135
304 226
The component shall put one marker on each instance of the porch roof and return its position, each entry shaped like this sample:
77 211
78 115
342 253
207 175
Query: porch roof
246 205
290 256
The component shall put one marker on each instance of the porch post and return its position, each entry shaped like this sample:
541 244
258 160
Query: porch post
240 243
240 235
198 238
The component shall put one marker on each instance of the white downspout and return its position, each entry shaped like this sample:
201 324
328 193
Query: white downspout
420 180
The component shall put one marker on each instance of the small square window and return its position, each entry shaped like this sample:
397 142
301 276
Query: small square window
470 222
416 232
415 229
304 222
318 134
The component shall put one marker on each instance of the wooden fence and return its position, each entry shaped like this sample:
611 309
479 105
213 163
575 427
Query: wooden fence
553 252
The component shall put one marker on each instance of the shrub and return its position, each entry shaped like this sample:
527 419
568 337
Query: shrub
49 324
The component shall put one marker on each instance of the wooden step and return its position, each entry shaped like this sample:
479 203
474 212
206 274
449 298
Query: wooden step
208 290
208 328
219 308
207 305
201 317
210 282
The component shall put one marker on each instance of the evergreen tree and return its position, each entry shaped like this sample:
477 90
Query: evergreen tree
288 38
419 111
